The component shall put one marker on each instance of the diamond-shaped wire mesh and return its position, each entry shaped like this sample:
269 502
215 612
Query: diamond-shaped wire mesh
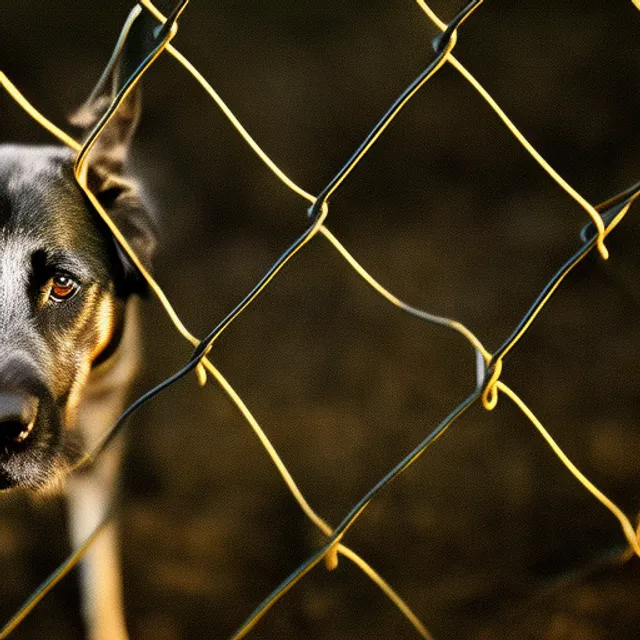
450 218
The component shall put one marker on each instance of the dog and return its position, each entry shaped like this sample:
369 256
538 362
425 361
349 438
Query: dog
69 343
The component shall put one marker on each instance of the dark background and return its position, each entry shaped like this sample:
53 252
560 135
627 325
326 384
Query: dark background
487 536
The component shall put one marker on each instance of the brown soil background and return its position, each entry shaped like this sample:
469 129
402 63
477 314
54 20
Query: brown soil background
487 536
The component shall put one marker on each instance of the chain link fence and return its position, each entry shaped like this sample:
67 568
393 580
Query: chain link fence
473 374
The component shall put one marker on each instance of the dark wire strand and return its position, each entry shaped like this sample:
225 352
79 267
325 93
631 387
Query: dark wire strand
613 208
445 44
52 580
353 515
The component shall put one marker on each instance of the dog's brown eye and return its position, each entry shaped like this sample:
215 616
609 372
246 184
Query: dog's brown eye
62 287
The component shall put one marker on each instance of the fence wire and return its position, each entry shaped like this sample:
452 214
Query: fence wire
600 221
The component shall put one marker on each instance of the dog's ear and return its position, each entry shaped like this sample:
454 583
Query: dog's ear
110 151
106 178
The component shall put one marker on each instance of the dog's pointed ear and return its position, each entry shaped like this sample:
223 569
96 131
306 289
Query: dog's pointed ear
111 149
107 180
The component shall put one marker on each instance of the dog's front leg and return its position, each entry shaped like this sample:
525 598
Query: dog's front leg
90 492
89 497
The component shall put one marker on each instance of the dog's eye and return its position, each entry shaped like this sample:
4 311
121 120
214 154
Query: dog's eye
62 287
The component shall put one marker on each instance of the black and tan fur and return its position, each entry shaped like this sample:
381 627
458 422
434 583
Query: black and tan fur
68 333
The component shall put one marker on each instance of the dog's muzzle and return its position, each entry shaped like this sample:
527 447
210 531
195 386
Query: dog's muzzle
30 434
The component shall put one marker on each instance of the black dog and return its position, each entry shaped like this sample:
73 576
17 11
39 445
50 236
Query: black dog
68 331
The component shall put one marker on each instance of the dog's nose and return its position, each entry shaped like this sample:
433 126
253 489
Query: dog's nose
18 413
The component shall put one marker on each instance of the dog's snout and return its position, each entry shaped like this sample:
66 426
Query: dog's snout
18 412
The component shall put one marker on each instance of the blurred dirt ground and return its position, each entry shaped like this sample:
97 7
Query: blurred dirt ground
487 536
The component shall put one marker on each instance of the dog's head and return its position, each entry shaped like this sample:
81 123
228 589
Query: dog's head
64 285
